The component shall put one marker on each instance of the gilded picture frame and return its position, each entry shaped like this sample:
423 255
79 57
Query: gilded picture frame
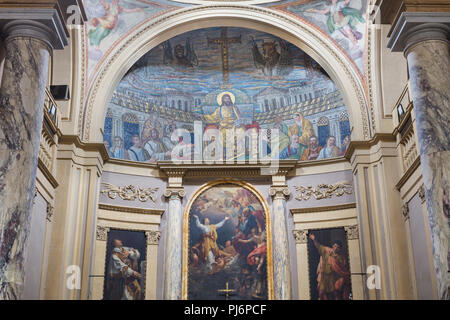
186 221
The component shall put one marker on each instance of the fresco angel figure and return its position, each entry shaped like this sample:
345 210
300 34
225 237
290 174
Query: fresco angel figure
343 18
102 26
183 56
270 61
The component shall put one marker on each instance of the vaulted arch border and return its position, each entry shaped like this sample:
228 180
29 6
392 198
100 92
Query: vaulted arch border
156 31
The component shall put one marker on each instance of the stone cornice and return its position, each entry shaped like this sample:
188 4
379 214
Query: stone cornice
323 209
47 174
109 207
193 170
75 140
378 137
408 174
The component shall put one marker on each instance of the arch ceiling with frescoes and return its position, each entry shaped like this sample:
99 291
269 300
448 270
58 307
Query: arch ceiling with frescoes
226 78
110 22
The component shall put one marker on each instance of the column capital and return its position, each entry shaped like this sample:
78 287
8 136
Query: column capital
102 233
415 27
352 232
153 237
44 24
301 236
279 192
176 193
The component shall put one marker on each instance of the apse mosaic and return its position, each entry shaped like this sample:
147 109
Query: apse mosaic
227 248
224 80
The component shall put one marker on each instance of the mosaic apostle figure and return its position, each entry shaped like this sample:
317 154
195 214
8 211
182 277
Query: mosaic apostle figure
330 150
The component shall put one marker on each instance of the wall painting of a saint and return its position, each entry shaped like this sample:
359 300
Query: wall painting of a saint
227 244
329 267
125 265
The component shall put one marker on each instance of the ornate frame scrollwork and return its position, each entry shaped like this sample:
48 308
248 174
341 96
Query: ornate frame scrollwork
129 192
323 191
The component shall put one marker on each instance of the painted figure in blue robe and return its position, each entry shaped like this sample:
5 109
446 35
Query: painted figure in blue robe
118 151
136 152
293 151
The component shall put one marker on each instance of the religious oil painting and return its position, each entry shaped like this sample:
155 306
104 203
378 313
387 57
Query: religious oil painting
329 267
125 265
209 87
228 254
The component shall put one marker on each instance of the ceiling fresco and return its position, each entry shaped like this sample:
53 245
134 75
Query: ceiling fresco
111 21
342 20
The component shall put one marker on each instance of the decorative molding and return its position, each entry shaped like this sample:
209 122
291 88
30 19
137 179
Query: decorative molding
130 209
279 192
50 212
102 233
405 211
412 168
323 191
175 193
324 209
75 140
300 236
129 193
421 193
36 191
47 174
377 138
225 170
352 232
153 237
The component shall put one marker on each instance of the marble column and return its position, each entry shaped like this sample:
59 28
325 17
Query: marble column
429 70
424 39
174 240
22 95
281 261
